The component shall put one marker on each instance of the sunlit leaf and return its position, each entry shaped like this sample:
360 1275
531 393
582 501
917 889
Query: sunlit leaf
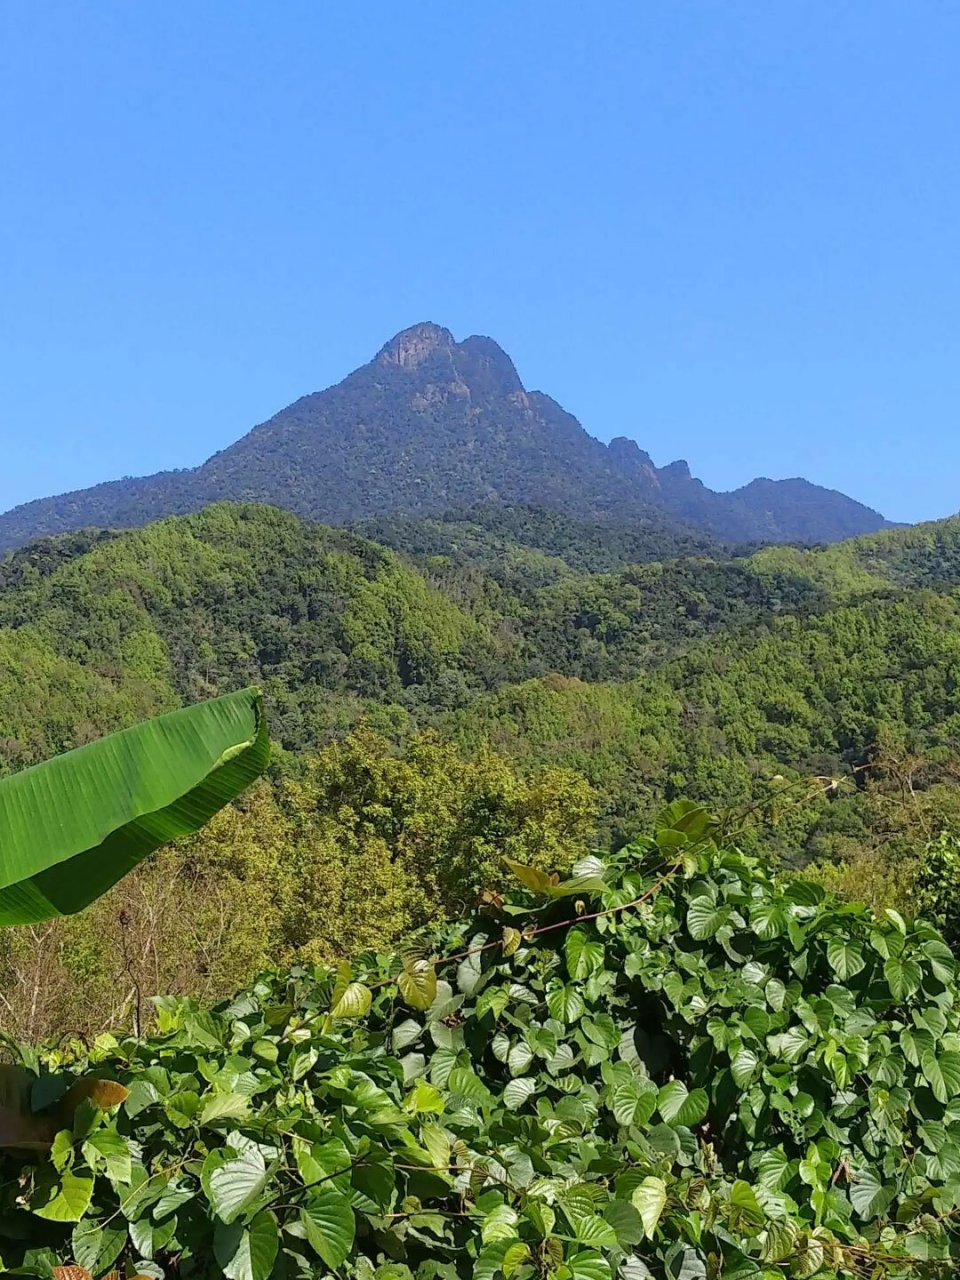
66 1200
650 1199
417 982
233 1180
329 1223
903 977
247 1253
74 825
845 957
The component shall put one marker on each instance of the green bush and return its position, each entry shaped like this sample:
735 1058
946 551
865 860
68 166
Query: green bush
938 885
672 1065
364 845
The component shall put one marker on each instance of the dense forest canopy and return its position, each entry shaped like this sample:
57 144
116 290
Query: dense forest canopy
336 626
480 682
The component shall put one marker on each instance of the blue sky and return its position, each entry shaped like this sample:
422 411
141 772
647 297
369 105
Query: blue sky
728 230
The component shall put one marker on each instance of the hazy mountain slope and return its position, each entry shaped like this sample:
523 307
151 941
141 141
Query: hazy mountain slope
429 425
494 537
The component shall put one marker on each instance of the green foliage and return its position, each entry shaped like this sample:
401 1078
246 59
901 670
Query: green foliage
528 545
937 891
72 827
429 828
365 845
713 678
872 876
661 1077
197 606
798 697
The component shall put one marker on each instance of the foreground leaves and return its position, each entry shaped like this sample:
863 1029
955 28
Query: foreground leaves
233 1180
329 1224
247 1253
707 1063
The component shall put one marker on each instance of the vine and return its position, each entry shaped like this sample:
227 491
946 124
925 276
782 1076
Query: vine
673 1065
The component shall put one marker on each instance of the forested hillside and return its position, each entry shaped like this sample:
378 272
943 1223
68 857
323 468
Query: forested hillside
478 691
791 659
496 538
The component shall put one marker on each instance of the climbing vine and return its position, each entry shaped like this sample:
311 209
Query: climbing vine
673 1064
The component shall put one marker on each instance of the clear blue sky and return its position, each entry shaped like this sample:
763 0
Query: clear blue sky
729 230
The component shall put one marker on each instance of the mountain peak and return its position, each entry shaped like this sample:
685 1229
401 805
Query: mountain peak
626 452
484 364
679 470
414 345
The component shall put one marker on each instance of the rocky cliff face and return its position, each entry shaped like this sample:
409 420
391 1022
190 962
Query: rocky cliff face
409 349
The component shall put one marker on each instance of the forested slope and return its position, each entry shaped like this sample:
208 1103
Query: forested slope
824 695
505 540
441 706
193 605
691 672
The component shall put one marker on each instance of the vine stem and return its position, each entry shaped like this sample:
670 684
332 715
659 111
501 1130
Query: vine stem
439 962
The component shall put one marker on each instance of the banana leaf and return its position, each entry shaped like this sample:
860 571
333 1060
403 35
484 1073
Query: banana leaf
74 825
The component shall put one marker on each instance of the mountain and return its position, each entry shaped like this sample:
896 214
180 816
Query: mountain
432 425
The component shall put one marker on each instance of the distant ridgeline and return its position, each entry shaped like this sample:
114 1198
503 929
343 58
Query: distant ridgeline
432 425
526 631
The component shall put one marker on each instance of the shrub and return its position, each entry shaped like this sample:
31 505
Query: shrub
672 1065
938 886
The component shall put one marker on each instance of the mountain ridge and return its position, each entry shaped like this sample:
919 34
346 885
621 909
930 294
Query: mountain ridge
429 425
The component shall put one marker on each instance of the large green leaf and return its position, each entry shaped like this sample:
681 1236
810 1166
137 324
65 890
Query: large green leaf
868 1194
73 826
745 1208
584 953
329 1224
626 1222
418 984
517 1092
633 1102
233 1180
565 1003
247 1253
677 1106
942 1073
743 1066
588 1265
704 918
903 977
66 1200
650 1199
768 920
845 956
